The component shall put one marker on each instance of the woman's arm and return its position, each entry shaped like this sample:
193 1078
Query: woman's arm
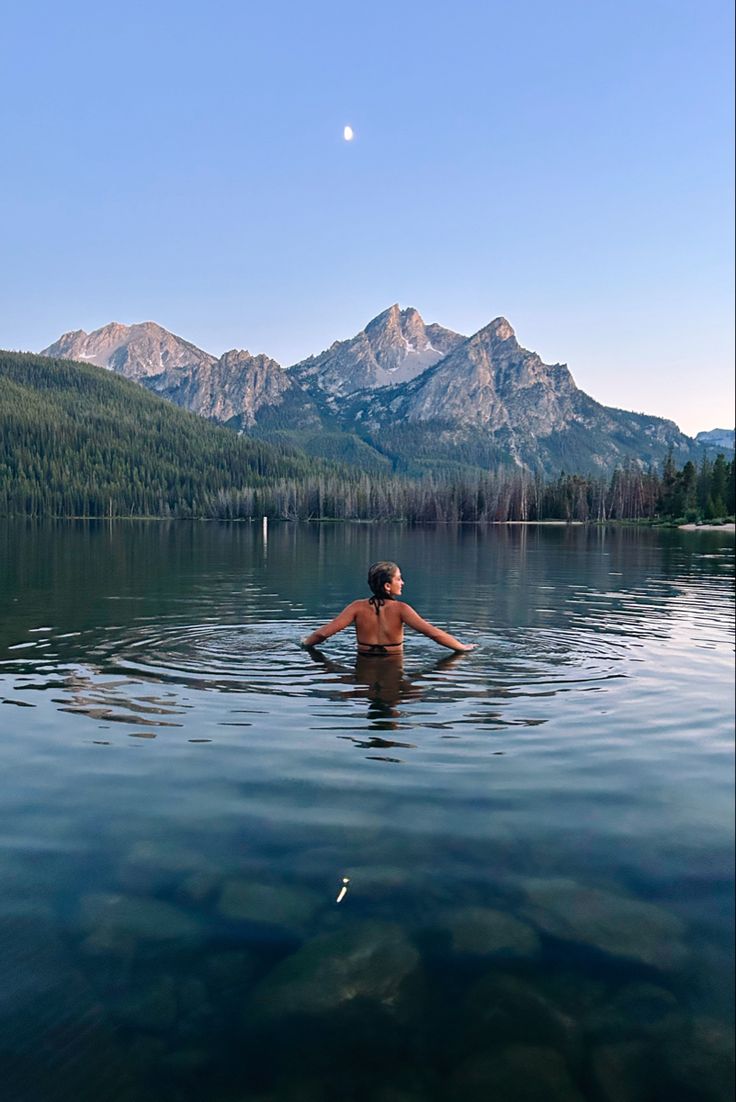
344 620
414 620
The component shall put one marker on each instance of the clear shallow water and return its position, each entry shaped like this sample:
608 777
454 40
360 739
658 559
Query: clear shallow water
537 836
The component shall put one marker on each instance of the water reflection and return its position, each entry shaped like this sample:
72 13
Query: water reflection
113 702
512 922
384 682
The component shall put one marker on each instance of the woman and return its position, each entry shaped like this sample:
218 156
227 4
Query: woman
379 620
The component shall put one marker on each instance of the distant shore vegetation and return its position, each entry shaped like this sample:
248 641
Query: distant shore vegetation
76 441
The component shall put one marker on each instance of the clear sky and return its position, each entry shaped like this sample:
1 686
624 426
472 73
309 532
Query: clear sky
567 164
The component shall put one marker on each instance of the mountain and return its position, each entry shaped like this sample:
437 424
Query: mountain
491 381
490 401
717 438
400 395
140 352
394 347
237 386
78 441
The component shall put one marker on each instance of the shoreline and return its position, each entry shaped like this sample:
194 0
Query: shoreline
728 527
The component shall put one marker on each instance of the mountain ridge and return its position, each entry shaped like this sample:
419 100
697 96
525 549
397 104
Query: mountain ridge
483 397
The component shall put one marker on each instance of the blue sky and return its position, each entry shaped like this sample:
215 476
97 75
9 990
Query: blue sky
566 164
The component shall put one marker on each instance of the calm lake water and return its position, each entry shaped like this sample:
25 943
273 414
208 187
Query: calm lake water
537 835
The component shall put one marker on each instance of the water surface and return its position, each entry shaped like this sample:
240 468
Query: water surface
537 837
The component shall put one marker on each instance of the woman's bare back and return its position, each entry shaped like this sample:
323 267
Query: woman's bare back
379 621
385 630
378 625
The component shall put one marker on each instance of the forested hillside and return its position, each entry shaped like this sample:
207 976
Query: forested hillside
76 440
79 441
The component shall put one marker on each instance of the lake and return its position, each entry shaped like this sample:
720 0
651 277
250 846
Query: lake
536 838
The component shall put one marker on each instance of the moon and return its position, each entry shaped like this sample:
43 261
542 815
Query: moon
348 133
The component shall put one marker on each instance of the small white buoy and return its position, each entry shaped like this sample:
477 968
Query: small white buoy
343 890
348 133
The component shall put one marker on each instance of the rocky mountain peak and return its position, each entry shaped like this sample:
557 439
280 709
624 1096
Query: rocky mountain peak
497 330
490 380
717 438
395 346
116 331
392 311
238 385
73 334
386 321
235 355
240 360
138 351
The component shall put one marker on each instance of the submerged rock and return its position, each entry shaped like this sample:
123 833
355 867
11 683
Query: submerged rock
372 880
272 905
57 1039
116 923
520 1073
184 1061
624 1072
145 1050
153 1007
229 975
152 866
636 1010
615 924
484 932
510 1009
369 960
193 998
198 885
701 1060
695 1061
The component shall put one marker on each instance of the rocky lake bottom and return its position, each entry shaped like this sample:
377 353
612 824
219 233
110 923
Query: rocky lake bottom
535 841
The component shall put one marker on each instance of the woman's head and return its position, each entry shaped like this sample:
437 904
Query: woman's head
384 581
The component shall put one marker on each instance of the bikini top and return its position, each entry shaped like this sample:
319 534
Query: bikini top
378 648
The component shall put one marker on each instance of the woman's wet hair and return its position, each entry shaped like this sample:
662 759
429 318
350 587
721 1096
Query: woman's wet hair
380 575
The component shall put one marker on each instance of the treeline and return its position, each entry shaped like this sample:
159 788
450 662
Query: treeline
629 494
77 441
698 493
